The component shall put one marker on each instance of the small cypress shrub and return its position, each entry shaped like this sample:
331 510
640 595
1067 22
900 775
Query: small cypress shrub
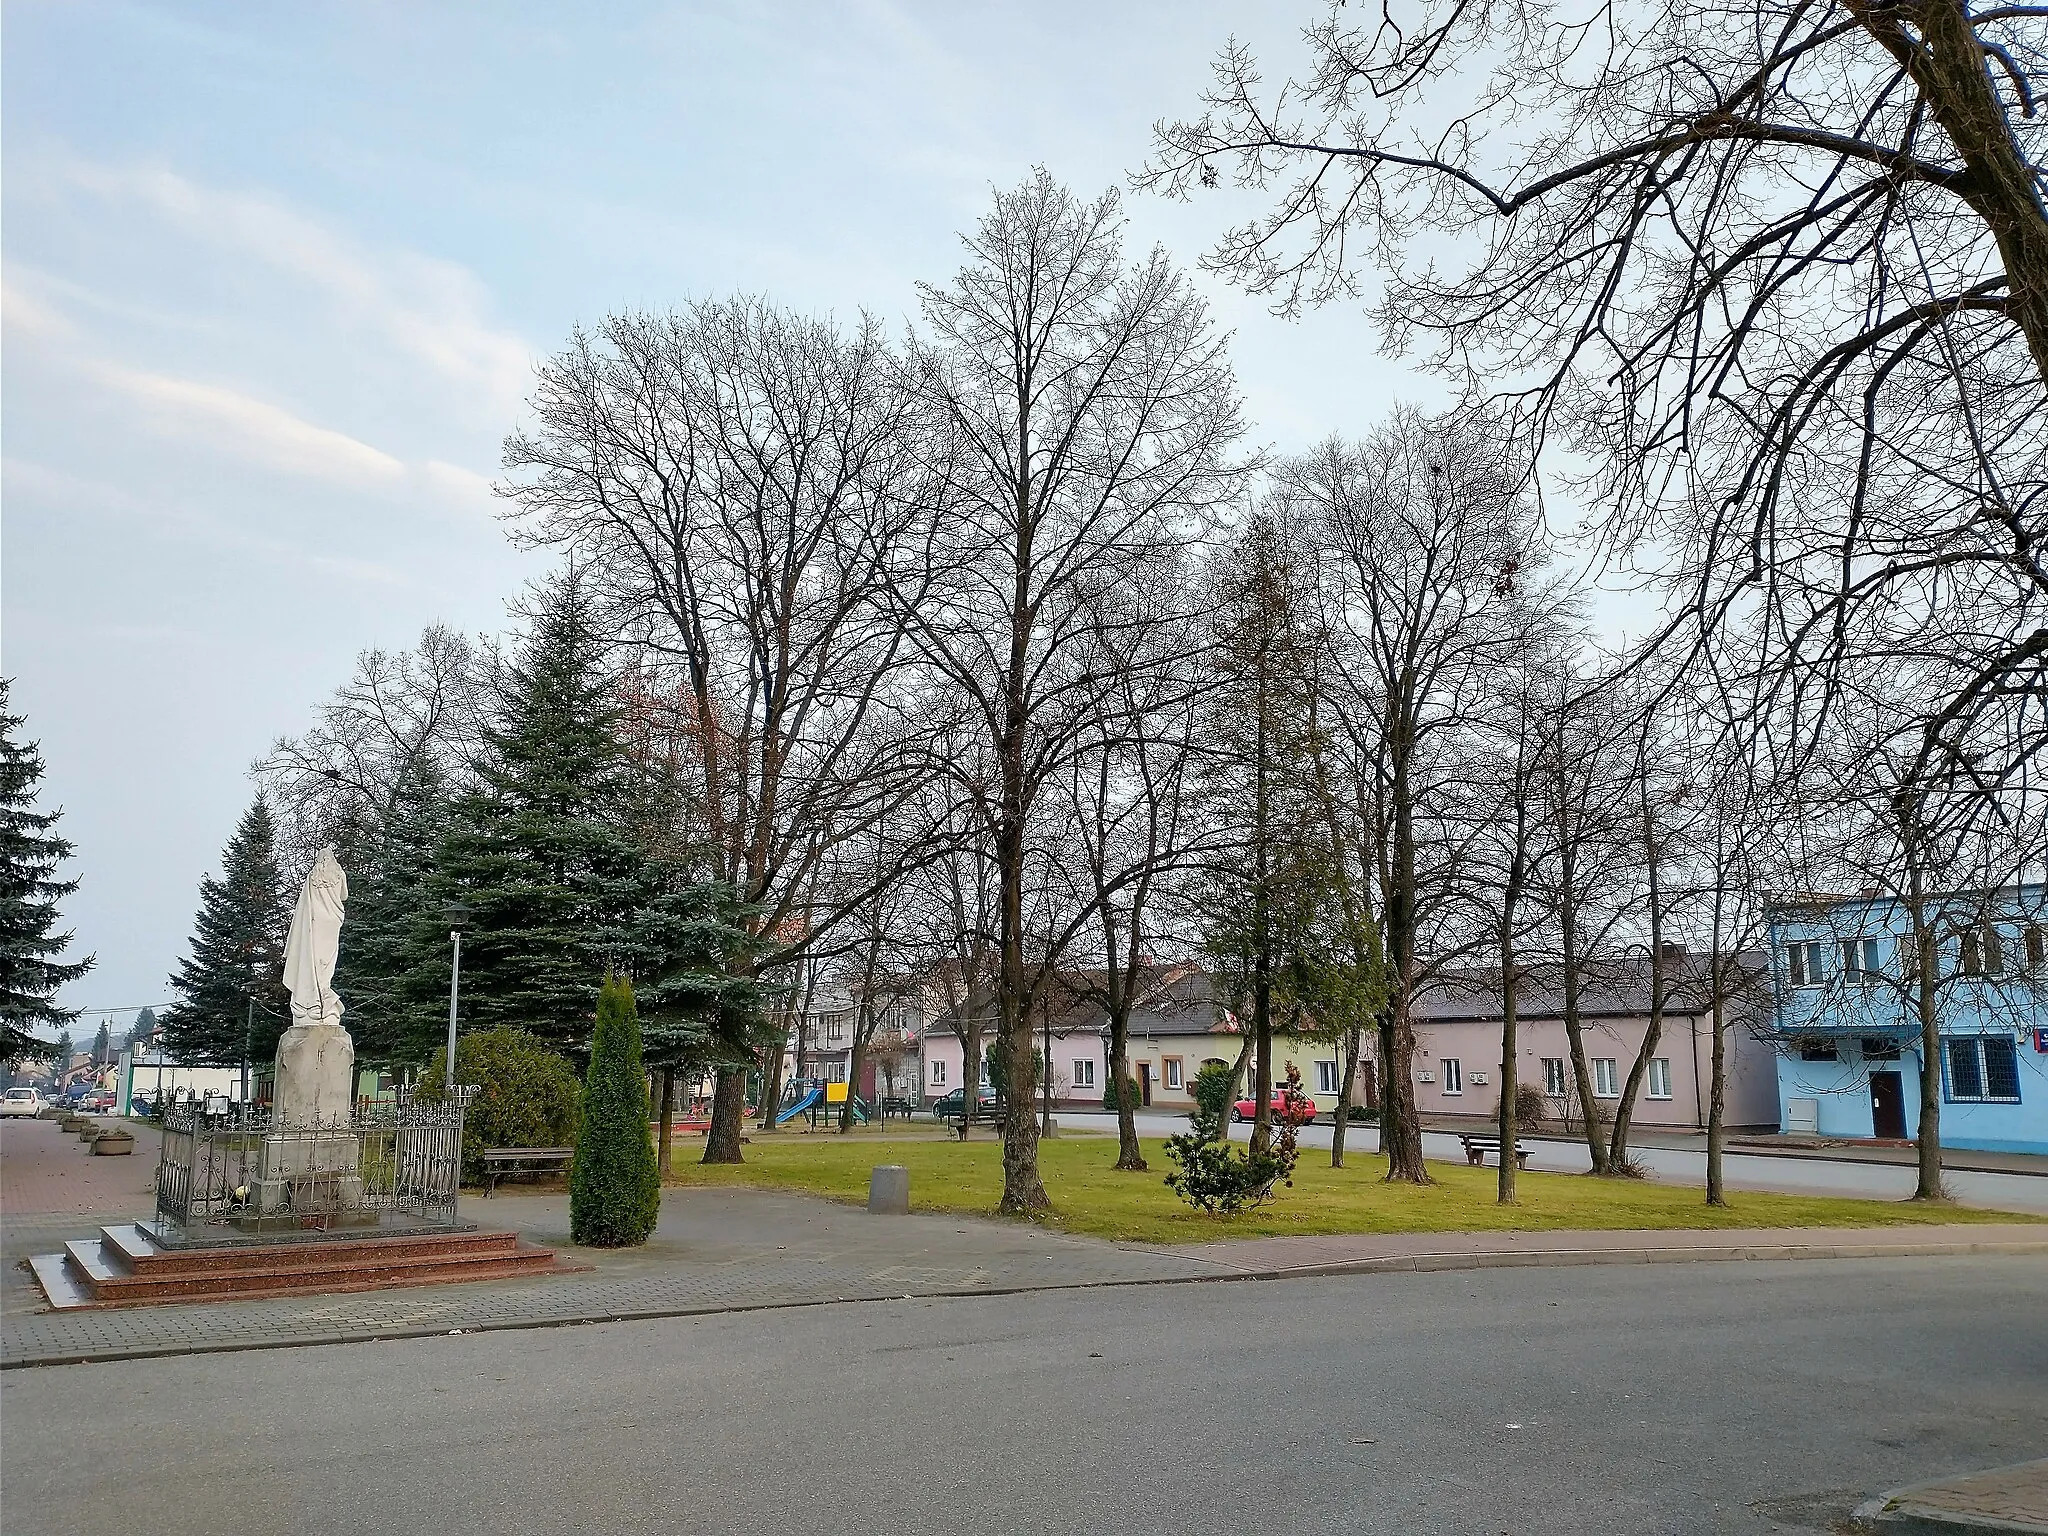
614 1186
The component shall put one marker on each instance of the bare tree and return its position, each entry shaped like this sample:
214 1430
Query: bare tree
338 781
735 479
1777 274
1426 534
1084 416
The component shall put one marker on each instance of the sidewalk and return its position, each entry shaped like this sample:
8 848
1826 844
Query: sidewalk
725 1250
2004 1499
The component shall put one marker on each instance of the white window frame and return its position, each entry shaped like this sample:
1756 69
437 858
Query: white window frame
935 1071
1329 1077
1171 1074
1084 1072
1860 962
1606 1078
835 1032
1660 1077
1556 1083
1804 963
1454 1075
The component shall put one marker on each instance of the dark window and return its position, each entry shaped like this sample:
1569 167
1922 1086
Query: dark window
1984 1068
1817 1050
2001 1069
1880 1050
2037 947
1859 959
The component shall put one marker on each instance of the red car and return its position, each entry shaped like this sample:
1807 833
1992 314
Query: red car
1299 1108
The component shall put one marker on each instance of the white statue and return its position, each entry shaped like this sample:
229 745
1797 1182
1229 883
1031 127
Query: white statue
315 943
316 1060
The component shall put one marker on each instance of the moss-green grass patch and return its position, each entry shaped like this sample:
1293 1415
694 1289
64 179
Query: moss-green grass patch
1090 1196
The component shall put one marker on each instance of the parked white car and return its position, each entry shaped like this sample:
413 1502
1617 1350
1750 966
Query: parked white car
21 1101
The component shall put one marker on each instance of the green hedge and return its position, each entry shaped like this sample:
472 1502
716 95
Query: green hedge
530 1095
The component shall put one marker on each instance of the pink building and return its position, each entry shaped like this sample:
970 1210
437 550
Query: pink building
1458 1049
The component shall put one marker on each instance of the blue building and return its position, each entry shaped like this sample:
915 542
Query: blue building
1845 1016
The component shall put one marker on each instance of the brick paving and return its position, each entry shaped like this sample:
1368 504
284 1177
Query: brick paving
2003 1499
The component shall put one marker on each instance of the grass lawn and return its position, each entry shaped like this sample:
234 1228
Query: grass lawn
1089 1196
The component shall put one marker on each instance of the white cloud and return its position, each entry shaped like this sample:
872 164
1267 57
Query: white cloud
430 310
245 427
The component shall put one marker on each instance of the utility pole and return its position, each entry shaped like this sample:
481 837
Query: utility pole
454 992
248 1040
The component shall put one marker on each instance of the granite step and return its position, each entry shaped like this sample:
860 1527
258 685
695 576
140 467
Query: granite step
154 1258
127 1266
255 1280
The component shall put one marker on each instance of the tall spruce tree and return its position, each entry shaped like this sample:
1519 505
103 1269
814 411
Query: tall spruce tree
103 1045
143 1027
237 955
540 852
393 968
32 967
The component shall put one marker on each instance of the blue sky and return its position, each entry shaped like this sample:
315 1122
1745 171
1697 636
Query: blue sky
276 277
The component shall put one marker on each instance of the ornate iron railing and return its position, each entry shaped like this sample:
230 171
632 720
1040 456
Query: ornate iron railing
392 1165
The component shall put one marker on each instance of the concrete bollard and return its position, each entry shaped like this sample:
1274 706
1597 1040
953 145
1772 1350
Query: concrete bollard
889 1191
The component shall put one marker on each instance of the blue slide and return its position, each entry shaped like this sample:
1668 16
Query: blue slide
801 1105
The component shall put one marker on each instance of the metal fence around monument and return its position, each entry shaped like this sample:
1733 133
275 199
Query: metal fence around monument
405 1174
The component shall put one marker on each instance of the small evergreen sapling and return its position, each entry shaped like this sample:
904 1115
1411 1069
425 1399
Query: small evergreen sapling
614 1186
1214 1176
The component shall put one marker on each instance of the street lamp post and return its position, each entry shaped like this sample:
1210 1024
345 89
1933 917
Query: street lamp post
456 913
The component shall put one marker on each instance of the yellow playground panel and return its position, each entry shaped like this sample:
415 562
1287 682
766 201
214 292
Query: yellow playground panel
835 1093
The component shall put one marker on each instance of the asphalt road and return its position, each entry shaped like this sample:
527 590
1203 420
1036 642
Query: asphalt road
1712 1397
1791 1175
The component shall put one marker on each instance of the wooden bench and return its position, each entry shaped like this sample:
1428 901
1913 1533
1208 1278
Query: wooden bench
1476 1148
504 1162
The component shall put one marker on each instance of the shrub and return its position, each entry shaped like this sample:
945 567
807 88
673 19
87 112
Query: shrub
1213 1088
1113 1102
1214 1176
1531 1104
1360 1114
614 1186
530 1096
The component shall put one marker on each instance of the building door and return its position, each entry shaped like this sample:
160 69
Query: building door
1145 1083
1887 1106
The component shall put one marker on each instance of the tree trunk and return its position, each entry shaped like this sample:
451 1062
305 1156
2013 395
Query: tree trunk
1400 1128
668 1117
855 1060
771 1081
1618 1160
1717 1100
1928 1184
1510 1124
728 1116
1939 49
1244 1056
1349 1053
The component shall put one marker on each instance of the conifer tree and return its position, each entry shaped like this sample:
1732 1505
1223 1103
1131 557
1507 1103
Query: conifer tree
393 967
143 1027
31 963
237 955
614 1186
540 852
103 1045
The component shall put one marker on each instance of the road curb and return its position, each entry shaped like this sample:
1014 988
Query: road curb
1898 1513
1410 1263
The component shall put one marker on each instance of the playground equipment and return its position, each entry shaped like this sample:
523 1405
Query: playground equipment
808 1101
821 1101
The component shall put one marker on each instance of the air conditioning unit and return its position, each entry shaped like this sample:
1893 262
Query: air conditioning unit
1802 1117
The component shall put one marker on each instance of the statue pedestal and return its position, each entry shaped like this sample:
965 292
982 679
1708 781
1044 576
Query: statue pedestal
312 1160
308 1174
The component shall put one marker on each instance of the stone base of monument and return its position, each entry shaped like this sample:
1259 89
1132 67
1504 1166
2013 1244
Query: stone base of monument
309 1175
137 1263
